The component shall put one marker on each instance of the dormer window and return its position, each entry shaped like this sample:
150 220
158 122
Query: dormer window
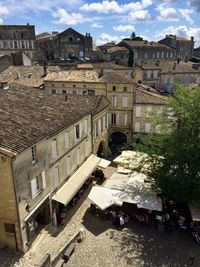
70 39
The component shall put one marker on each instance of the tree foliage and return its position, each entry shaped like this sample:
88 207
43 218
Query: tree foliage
174 155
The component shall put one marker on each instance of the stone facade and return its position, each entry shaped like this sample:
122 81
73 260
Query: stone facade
183 46
146 103
34 170
164 76
67 44
144 51
17 38
117 87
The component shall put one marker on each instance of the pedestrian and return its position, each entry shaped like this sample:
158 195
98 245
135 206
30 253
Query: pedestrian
191 261
114 217
121 221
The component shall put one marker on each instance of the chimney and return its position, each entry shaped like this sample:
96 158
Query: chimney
192 38
45 69
174 67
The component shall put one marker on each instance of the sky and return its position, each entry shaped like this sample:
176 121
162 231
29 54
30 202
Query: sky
107 20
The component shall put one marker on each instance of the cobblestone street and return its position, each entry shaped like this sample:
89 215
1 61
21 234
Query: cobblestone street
104 245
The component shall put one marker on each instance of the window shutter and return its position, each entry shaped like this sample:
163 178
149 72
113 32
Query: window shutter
75 134
147 127
44 184
68 165
80 130
86 126
56 176
67 140
54 149
149 109
125 119
138 111
78 155
99 126
104 122
117 119
125 101
137 127
33 187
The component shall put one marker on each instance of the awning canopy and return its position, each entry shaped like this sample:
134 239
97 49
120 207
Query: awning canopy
126 188
195 213
71 187
104 197
104 163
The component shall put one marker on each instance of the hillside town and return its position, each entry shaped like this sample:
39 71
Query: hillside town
72 115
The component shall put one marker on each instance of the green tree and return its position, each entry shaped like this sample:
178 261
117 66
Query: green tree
130 58
174 155
133 35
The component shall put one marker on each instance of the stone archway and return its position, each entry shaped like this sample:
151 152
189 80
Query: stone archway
118 138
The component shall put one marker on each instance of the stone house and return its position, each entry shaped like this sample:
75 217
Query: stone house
163 76
67 44
46 155
148 52
183 46
116 86
145 103
17 38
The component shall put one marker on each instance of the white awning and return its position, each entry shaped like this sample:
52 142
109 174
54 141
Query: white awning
104 197
104 163
71 187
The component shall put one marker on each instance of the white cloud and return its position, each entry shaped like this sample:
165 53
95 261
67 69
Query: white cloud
182 31
185 13
66 18
124 28
1 21
113 6
169 13
96 25
107 38
3 10
140 15
195 4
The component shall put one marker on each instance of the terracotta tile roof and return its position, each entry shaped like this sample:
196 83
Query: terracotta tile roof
110 65
144 44
116 48
29 115
116 77
171 66
74 76
26 75
145 97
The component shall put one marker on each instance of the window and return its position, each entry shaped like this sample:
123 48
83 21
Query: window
158 128
54 149
9 228
64 91
125 119
53 91
22 35
91 92
74 85
67 140
35 185
125 101
30 45
70 39
114 88
114 101
125 89
14 35
148 110
137 127
138 111
22 44
147 127
113 118
158 54
76 132
148 74
155 74
56 180
33 152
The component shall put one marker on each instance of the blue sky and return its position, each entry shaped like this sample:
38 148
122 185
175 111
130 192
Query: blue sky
107 20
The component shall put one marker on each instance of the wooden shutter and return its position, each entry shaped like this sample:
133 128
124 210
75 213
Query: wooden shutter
44 184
